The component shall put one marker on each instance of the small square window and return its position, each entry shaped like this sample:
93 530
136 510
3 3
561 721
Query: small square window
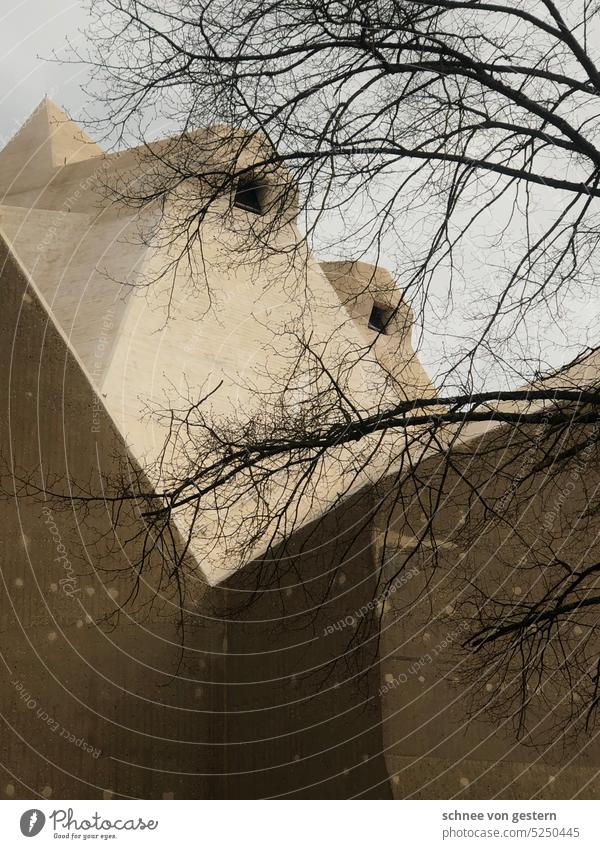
379 318
248 196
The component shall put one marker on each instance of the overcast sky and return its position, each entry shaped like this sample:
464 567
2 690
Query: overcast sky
29 31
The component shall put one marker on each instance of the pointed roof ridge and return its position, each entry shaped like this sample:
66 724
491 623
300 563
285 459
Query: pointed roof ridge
48 139
58 118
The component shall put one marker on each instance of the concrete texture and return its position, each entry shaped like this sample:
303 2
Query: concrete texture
438 742
271 696
97 699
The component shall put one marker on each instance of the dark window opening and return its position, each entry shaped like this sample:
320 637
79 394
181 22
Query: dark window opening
248 196
379 318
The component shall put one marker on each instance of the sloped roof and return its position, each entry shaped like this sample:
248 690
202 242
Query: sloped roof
47 140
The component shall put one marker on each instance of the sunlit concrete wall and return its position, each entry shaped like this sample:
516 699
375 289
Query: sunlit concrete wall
360 286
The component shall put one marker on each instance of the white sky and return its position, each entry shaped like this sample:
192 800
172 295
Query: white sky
29 31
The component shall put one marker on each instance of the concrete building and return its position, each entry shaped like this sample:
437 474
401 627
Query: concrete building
108 690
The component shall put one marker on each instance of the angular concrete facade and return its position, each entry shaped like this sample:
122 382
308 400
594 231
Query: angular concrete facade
269 698
90 261
98 699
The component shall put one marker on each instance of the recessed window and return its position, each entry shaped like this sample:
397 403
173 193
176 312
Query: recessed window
380 318
248 196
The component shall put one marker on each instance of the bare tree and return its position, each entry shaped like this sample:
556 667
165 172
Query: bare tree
460 141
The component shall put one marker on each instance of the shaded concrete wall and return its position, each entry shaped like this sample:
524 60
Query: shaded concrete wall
435 745
303 716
